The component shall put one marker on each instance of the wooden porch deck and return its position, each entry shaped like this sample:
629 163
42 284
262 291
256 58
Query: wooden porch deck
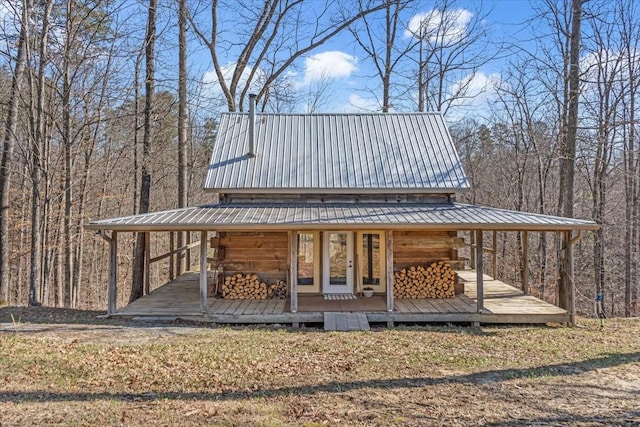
502 304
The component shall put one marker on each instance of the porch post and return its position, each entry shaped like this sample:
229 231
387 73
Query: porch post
479 272
112 292
293 269
563 274
571 307
188 256
171 255
180 255
525 262
389 262
494 261
472 253
203 272
147 262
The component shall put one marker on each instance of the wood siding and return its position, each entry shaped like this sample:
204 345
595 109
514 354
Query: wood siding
412 248
265 254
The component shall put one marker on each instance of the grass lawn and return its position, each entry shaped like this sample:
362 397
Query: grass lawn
137 374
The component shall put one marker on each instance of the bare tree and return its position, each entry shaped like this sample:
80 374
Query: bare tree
602 97
451 44
318 95
630 38
524 115
38 145
381 45
280 31
137 286
182 120
557 56
6 157
569 142
84 25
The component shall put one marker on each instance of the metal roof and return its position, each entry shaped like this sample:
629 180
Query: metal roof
313 153
301 216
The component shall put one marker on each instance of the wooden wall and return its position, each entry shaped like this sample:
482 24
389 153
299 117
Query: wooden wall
265 254
424 247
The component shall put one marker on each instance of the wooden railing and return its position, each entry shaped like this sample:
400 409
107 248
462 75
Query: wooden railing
173 252
492 250
170 254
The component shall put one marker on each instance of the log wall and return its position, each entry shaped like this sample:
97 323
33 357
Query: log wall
411 248
265 254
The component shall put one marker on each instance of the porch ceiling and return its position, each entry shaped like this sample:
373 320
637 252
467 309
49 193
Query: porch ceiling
307 216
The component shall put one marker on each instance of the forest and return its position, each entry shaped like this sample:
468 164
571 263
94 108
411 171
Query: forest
109 108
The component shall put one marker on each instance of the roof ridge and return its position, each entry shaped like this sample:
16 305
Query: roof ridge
411 113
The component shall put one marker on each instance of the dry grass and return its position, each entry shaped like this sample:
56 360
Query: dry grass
171 375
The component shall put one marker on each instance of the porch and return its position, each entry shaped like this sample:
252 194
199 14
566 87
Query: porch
503 303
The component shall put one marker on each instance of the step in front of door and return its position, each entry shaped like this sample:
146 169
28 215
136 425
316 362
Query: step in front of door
338 321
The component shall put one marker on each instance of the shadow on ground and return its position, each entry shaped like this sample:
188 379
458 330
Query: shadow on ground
479 378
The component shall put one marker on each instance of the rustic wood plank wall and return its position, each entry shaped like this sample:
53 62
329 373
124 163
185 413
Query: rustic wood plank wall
412 248
263 253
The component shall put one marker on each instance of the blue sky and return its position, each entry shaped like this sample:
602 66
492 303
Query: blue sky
345 68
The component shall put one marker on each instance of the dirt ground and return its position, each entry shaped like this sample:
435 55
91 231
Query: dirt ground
67 367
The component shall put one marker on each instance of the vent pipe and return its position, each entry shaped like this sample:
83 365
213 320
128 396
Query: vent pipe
252 124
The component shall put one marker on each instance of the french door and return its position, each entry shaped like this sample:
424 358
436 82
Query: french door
337 265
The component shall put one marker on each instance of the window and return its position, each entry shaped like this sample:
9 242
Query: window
370 259
306 252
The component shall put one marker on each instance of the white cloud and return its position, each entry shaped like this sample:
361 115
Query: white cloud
439 26
210 77
475 91
359 104
213 90
332 64
606 63
321 69
475 84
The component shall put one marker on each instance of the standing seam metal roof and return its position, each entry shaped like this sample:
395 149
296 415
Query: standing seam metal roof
338 152
347 215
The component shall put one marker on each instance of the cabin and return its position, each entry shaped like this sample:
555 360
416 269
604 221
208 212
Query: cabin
341 219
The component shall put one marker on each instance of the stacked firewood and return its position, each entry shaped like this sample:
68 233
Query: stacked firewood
244 286
438 280
249 286
278 290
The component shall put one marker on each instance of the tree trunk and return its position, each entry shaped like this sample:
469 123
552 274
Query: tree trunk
7 152
36 176
567 168
137 287
568 146
67 239
50 253
630 41
182 124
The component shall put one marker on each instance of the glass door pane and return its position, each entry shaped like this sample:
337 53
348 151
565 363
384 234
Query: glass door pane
305 259
338 258
370 259
337 266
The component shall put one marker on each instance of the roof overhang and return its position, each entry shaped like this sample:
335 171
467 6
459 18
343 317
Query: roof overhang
339 216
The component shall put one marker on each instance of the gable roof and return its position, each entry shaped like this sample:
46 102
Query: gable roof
335 153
